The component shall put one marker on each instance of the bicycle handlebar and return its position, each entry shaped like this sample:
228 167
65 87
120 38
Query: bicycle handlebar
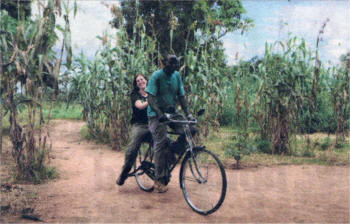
170 120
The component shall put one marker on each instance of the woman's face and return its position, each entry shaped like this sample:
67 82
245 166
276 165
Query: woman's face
141 82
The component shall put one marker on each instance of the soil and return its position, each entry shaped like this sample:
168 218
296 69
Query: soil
86 191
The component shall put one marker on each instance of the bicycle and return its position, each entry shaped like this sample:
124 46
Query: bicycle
202 175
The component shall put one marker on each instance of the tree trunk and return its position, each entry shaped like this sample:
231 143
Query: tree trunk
0 126
1 75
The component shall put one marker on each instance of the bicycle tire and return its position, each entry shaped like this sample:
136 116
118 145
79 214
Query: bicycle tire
146 167
203 181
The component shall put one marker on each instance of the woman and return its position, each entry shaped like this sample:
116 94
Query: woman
139 125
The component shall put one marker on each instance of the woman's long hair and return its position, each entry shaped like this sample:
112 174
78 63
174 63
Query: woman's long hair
134 83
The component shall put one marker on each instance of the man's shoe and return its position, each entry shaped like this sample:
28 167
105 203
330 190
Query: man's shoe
159 187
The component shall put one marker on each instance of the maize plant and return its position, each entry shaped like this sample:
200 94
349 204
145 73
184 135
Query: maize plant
340 89
29 67
206 82
103 85
285 79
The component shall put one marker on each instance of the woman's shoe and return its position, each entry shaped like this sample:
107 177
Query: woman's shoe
121 179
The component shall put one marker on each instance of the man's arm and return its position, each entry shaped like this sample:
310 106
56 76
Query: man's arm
184 105
152 102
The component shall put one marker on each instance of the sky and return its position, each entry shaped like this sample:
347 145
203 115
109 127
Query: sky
274 20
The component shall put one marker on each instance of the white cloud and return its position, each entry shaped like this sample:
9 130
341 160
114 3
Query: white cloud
92 20
337 47
235 51
303 19
307 19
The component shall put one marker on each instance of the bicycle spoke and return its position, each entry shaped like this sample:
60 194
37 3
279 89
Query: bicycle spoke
144 163
192 179
203 181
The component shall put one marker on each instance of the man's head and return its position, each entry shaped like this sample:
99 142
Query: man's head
171 64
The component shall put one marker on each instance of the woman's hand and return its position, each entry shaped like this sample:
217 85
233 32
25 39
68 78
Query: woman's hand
141 104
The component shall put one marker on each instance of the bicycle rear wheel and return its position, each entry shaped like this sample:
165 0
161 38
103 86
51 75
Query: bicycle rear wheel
144 162
203 181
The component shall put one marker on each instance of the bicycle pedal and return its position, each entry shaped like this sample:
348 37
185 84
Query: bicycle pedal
150 173
145 165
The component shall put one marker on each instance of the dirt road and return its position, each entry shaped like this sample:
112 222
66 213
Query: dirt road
86 190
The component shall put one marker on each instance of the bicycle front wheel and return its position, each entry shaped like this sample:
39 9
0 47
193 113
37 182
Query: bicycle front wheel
145 166
203 181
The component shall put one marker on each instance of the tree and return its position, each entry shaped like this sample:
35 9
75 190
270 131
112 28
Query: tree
285 79
28 68
340 91
17 8
175 24
0 92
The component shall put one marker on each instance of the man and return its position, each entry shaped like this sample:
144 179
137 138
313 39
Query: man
164 89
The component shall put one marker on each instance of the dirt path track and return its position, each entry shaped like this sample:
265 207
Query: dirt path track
86 190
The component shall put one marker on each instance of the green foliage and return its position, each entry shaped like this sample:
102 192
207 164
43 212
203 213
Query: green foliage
323 115
275 87
226 146
239 146
340 91
308 153
228 116
62 111
325 143
174 24
102 86
276 93
322 118
206 83
38 171
264 146
29 68
17 9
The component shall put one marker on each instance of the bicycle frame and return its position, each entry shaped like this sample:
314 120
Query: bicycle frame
196 172
189 140
188 135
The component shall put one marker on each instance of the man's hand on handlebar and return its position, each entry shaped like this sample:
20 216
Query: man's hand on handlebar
163 118
190 117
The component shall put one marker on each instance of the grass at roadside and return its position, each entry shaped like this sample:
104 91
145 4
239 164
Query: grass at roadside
40 172
322 150
16 198
59 111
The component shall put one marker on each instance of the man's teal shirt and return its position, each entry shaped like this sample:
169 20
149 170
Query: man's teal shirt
166 89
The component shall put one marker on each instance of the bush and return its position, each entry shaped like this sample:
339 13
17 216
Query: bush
38 170
308 153
264 146
228 116
325 143
240 146
322 119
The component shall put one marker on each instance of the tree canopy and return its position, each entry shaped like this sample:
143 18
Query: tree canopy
174 24
17 8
